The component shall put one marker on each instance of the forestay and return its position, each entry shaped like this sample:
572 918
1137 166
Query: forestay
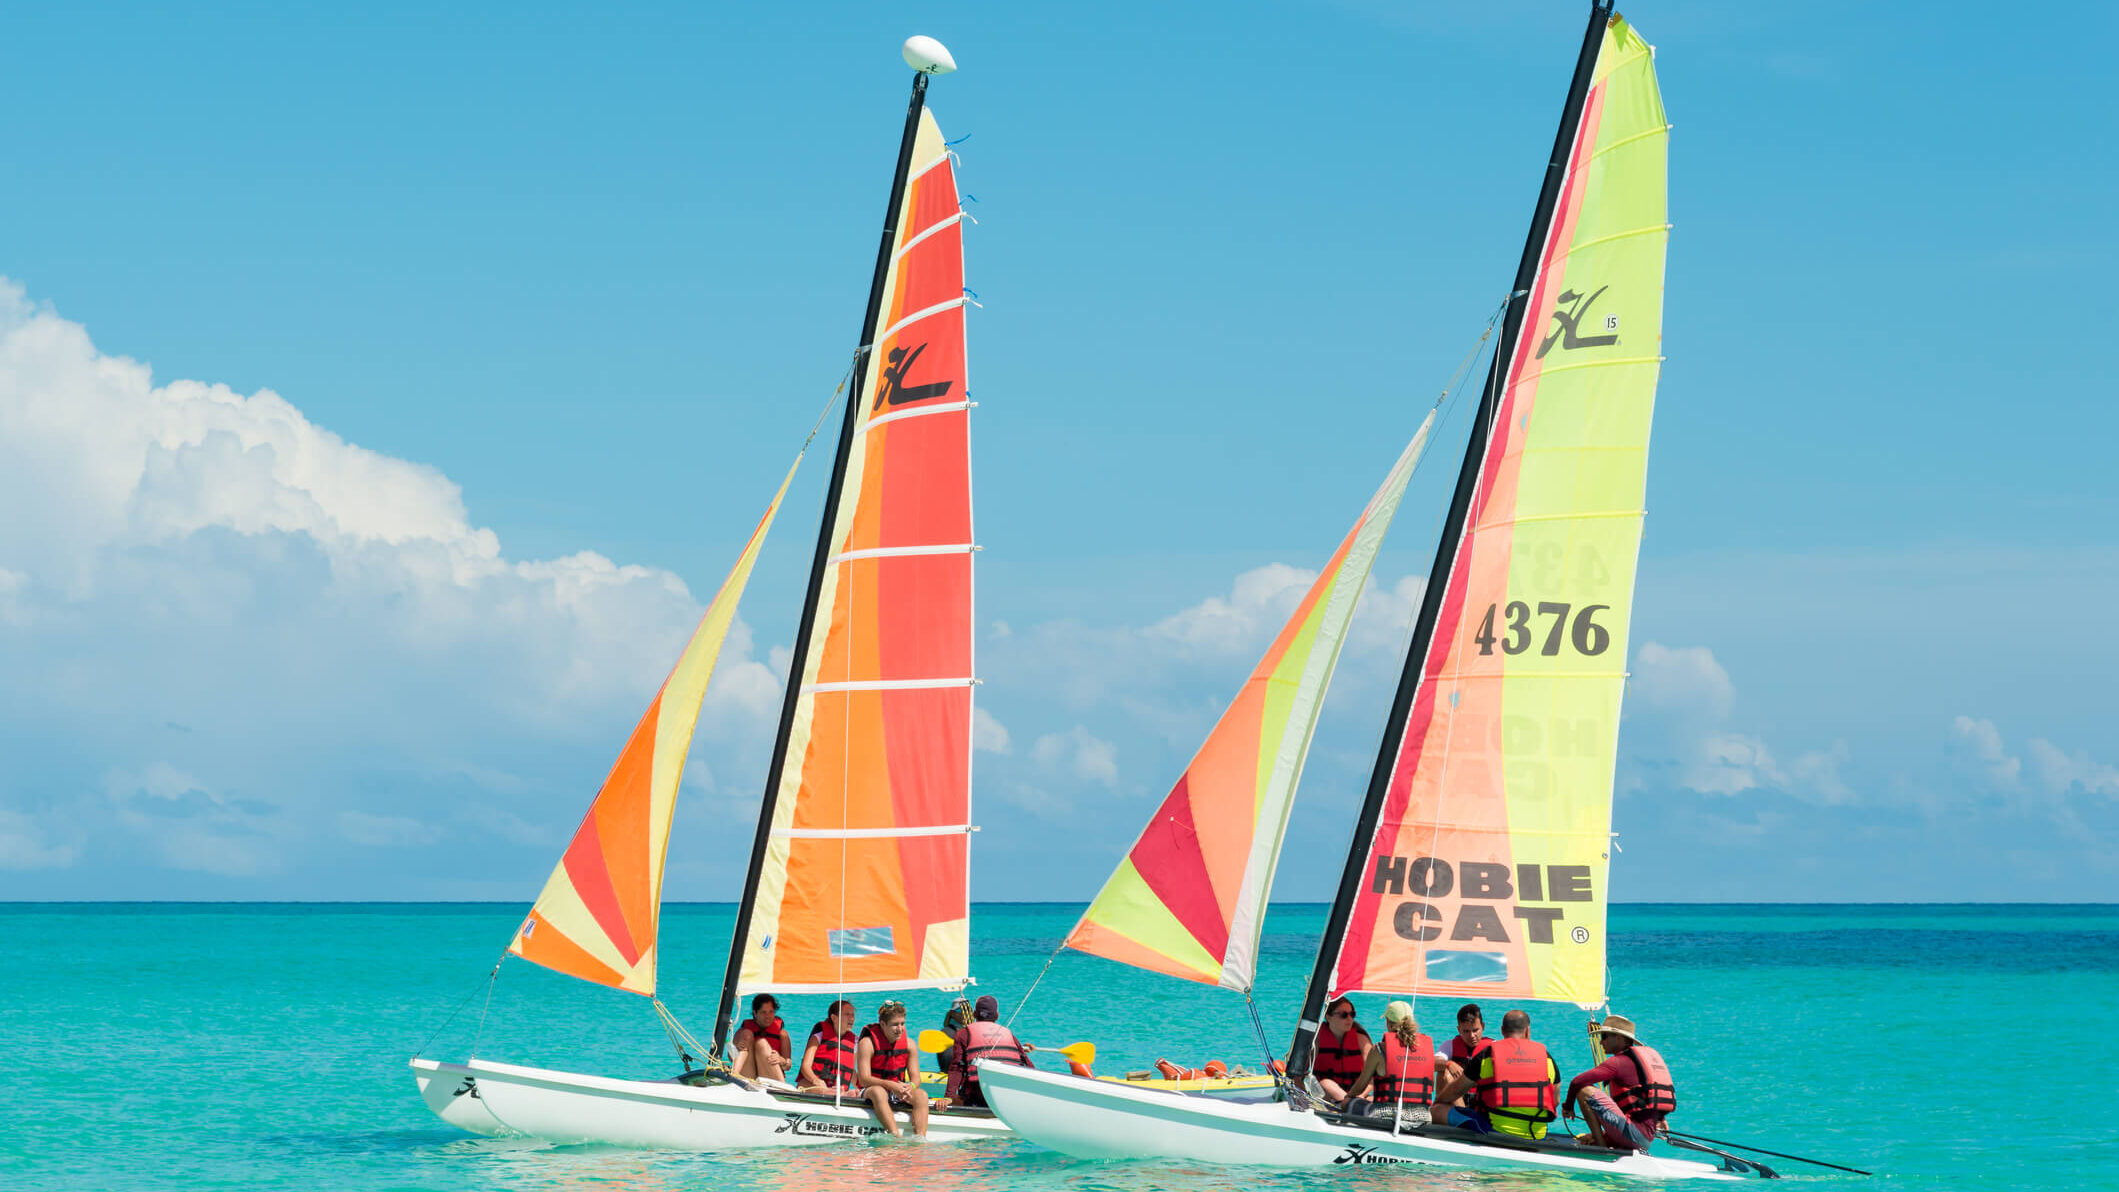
863 880
1486 872
1190 897
597 916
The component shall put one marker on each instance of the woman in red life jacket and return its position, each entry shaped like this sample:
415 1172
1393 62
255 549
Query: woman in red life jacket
983 1038
887 1067
1514 1082
761 1047
1637 1095
1342 1049
1401 1073
828 1057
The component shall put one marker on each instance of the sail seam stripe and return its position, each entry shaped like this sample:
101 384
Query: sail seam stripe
893 552
1624 141
888 685
1551 517
944 408
913 243
1558 368
916 316
871 833
1649 230
921 172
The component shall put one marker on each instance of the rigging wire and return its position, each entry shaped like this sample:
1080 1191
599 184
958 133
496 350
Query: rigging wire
492 979
422 1048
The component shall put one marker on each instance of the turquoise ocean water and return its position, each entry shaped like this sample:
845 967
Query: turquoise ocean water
264 1046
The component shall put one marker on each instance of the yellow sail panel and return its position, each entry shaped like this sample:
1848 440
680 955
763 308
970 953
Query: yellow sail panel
864 879
1486 875
597 916
1189 899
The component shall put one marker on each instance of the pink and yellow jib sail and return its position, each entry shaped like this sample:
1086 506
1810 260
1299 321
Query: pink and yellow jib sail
1190 897
1486 871
597 915
862 880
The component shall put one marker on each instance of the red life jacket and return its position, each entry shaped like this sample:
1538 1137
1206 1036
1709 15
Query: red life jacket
1650 1095
977 1041
835 1054
775 1035
1338 1059
1407 1071
888 1061
1521 1085
1462 1054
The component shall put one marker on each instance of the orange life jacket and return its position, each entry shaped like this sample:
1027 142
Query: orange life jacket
1521 1085
1650 1095
1407 1071
1339 1059
835 1054
982 1040
889 1061
775 1035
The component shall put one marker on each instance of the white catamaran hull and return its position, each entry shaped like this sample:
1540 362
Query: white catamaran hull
569 1108
1097 1120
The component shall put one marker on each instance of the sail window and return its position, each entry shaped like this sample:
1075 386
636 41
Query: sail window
862 941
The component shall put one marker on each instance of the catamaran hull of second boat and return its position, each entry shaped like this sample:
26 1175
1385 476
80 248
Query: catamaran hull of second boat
1095 1120
570 1109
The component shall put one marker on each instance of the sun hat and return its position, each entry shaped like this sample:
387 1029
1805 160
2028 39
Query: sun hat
1618 1024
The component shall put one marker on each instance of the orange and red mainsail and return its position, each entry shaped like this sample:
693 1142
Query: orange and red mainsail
1486 873
597 915
1190 896
863 880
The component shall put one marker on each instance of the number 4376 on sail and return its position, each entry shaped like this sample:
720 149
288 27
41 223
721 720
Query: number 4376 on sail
1587 637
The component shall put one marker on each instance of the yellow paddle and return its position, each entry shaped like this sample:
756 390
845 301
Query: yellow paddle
1081 1053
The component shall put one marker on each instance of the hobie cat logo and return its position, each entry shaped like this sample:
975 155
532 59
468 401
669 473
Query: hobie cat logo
1569 312
1364 1154
808 1127
894 391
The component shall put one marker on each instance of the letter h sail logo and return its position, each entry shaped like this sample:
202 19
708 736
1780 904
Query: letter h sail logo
894 391
1569 312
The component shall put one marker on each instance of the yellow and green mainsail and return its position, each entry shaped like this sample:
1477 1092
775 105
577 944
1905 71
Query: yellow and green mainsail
1190 896
1486 873
598 914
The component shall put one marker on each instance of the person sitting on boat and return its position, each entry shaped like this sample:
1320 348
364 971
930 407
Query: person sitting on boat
1513 1081
887 1068
1343 1047
828 1057
1401 1074
983 1038
761 1046
1637 1095
1470 1036
959 1014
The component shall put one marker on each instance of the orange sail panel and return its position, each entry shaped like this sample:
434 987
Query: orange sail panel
1486 875
597 916
863 884
1190 897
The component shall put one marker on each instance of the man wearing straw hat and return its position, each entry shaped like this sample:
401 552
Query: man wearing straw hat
1637 1095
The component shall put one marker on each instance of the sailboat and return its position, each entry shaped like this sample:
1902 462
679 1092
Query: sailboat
1478 861
858 867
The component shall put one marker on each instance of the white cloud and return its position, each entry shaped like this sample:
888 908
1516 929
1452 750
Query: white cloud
1976 747
1078 752
2059 772
305 609
988 735
2055 785
1258 604
1679 702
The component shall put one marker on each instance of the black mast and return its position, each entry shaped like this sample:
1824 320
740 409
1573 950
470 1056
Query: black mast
722 1018
1446 552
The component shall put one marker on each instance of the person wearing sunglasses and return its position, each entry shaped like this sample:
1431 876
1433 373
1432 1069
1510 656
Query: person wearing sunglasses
1343 1048
887 1068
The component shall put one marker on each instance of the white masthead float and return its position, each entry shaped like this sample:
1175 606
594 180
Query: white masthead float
857 871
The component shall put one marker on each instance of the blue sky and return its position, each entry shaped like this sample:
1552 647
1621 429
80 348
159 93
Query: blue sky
518 313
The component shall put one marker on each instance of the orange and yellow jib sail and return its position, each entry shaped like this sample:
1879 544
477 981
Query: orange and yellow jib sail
597 916
1486 874
1190 896
863 880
